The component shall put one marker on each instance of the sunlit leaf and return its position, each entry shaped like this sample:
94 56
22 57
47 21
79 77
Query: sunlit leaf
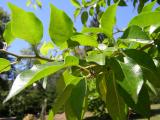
85 40
8 36
61 27
148 7
146 19
25 25
46 46
4 65
75 3
108 20
37 72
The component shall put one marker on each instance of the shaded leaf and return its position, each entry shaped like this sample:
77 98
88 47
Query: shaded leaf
84 17
76 101
114 102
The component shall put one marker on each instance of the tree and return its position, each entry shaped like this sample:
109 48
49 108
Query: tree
126 68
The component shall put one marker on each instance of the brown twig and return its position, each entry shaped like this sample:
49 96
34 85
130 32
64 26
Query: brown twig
25 56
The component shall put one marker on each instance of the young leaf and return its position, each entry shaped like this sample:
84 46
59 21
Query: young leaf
91 11
77 12
94 56
85 40
146 19
25 25
84 17
92 30
114 102
108 20
37 72
75 3
148 7
8 36
61 27
46 47
4 65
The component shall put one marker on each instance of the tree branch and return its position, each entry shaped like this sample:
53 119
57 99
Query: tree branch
25 56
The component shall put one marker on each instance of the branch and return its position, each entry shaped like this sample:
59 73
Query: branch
25 56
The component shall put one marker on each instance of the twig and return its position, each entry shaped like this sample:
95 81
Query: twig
84 69
25 56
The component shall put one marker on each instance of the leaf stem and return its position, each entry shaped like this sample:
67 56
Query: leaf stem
25 56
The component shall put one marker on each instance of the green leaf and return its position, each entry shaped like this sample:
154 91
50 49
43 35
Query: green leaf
37 72
101 87
146 19
92 30
46 47
62 98
51 115
70 82
77 12
135 32
7 35
84 17
148 7
143 105
4 65
76 101
85 40
39 3
90 3
75 3
114 102
70 79
61 27
108 20
94 56
25 25
141 5
132 79
91 11
146 63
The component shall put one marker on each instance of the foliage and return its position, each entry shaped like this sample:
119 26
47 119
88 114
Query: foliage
126 69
